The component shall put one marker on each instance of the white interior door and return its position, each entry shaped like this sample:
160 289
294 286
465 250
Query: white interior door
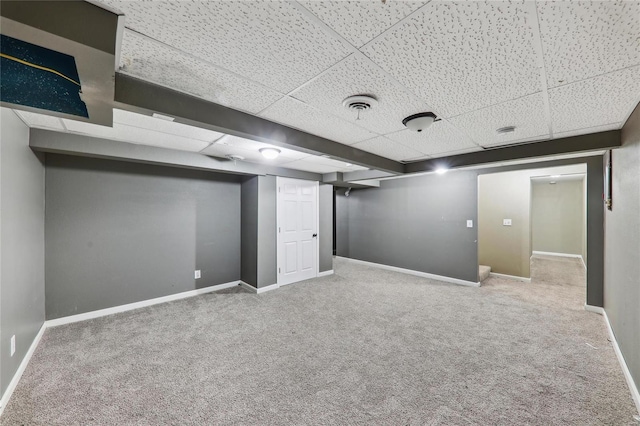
297 230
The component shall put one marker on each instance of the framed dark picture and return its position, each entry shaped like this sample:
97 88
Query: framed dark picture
608 158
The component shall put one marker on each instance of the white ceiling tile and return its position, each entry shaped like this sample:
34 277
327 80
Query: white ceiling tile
389 149
41 120
585 131
527 114
171 127
146 59
361 21
595 102
121 132
145 16
293 113
439 138
251 150
583 39
271 42
462 56
354 76
311 166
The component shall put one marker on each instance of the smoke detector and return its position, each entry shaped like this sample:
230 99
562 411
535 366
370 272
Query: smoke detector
419 122
360 103
234 157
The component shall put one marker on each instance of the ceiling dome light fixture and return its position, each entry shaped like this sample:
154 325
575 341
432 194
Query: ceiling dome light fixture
419 122
269 153
441 170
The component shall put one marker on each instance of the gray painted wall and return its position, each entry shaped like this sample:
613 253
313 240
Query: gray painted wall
325 233
119 233
419 223
22 197
249 231
416 223
342 223
622 255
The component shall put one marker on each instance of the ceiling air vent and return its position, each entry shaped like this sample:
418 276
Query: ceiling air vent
360 103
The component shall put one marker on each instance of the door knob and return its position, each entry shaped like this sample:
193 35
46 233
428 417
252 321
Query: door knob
314 235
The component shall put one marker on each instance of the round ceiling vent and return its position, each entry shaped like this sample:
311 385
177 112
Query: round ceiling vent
507 129
360 102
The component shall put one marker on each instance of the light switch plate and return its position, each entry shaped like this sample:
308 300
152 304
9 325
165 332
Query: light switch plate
197 274
506 222
13 344
469 223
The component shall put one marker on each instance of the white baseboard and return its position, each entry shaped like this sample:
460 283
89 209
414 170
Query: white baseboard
325 273
623 364
511 277
137 305
551 253
261 289
412 272
23 365
595 309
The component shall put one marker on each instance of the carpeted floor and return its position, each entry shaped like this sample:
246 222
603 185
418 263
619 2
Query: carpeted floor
363 346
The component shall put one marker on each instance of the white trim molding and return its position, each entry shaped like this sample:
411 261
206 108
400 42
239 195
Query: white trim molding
550 253
510 277
623 364
594 309
412 272
325 273
138 305
259 290
23 365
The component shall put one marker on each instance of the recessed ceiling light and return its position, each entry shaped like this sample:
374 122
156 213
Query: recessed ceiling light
441 170
419 122
162 117
506 129
270 153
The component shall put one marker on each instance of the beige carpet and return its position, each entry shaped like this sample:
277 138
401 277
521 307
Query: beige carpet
364 346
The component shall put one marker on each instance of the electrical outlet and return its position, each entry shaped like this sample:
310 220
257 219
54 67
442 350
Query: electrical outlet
469 223
13 344
506 222
197 274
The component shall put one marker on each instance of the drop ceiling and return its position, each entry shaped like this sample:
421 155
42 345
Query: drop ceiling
145 130
552 69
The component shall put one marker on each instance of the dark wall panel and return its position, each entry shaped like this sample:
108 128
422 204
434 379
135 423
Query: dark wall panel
118 233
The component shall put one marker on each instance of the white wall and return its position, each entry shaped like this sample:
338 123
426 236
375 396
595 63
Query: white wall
557 216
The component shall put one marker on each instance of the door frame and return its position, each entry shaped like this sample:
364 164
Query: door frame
279 181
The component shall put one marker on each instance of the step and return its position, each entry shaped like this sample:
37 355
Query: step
483 272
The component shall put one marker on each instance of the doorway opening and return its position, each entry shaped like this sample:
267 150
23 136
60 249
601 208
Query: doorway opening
532 228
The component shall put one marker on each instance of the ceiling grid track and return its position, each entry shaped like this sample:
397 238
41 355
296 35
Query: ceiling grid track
541 64
356 51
